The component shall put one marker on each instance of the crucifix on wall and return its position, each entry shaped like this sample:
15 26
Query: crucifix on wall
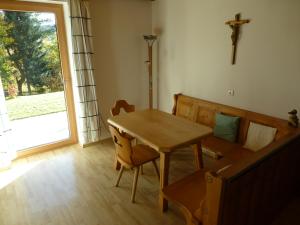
235 26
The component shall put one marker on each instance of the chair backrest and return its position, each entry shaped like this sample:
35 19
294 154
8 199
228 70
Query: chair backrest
122 144
121 104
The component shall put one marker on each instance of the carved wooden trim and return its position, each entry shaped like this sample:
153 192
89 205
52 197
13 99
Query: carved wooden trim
121 104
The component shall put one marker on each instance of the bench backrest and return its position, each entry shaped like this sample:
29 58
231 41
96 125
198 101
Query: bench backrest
202 111
255 190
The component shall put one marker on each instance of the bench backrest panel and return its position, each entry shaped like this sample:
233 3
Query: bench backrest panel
253 190
255 195
202 111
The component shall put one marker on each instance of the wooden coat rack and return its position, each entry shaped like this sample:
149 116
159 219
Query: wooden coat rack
150 39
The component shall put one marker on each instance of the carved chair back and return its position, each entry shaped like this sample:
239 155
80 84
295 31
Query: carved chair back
123 146
121 104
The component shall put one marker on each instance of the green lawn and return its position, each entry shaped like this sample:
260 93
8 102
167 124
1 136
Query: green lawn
35 105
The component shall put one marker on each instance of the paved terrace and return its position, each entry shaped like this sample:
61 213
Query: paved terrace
39 130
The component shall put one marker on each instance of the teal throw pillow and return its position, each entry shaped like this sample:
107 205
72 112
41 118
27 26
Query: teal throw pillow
226 127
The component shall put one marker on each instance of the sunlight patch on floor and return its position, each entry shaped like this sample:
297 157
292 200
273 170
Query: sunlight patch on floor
13 173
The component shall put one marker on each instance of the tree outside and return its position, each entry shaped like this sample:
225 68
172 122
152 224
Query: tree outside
30 63
29 55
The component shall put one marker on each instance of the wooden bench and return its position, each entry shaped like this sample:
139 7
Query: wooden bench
243 187
201 111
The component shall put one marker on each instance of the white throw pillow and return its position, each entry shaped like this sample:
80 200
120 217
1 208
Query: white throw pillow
259 136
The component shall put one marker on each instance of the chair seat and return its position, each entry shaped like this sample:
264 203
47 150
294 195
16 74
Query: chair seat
143 154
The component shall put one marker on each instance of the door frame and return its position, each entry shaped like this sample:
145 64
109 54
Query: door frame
58 10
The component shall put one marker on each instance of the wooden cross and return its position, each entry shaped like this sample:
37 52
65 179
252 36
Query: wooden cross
235 26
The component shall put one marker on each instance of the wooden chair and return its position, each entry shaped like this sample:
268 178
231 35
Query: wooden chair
132 157
121 104
114 111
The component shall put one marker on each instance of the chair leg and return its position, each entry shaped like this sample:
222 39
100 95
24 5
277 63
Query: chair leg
120 175
117 165
135 180
156 169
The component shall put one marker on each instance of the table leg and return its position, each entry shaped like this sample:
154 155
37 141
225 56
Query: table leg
198 155
164 176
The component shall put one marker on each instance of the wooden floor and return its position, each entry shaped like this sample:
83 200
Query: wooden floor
71 186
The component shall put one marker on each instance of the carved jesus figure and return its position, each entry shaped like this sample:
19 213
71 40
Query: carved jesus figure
235 26
234 35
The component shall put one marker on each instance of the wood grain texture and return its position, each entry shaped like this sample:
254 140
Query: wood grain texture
187 193
160 130
74 186
211 204
249 195
164 178
131 157
121 104
203 112
71 186
198 155
165 133
255 187
116 110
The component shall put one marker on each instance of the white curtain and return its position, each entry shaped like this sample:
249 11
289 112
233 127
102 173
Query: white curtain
6 153
89 117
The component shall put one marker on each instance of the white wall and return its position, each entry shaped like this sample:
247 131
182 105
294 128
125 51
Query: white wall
195 50
120 51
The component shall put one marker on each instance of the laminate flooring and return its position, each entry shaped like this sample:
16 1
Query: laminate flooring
74 186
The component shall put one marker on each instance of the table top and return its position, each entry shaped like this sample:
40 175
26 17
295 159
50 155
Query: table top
162 131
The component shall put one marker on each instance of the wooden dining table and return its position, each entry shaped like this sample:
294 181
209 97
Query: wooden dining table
165 133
